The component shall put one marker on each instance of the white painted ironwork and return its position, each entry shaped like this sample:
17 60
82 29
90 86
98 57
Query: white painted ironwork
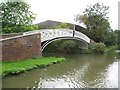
49 34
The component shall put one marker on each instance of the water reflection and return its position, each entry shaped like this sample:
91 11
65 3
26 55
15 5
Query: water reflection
79 71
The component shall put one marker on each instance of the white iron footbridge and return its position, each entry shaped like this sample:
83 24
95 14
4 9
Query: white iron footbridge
50 35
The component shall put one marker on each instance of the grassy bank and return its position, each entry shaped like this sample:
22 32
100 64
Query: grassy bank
29 64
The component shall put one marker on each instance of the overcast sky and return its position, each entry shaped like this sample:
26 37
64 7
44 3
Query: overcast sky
64 10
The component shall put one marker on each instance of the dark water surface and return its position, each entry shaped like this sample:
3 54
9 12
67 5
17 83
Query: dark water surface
78 71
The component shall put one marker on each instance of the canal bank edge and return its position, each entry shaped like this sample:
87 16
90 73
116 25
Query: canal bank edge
16 67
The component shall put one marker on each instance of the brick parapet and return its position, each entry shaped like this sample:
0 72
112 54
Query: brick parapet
21 47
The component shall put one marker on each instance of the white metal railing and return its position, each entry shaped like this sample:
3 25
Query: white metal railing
48 34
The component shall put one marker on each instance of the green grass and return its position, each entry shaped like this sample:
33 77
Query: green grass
17 67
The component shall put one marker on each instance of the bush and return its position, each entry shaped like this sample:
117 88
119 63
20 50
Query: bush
111 49
99 48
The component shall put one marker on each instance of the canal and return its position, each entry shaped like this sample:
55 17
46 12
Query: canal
78 71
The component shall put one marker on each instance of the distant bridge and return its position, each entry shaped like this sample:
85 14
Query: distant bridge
50 35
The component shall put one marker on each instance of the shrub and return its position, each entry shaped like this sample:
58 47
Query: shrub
111 49
99 48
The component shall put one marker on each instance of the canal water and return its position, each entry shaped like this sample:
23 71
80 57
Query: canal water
78 71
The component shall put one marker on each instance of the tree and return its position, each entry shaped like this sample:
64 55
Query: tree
96 21
16 16
111 38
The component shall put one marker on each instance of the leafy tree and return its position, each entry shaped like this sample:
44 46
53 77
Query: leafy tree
96 21
111 38
16 16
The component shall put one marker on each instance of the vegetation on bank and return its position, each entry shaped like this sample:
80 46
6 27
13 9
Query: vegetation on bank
70 46
17 67
99 48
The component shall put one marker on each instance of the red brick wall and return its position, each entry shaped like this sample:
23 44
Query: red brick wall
21 47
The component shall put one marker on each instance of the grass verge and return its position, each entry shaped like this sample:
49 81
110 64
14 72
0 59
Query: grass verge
17 67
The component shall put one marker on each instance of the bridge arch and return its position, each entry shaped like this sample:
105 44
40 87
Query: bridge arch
83 45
